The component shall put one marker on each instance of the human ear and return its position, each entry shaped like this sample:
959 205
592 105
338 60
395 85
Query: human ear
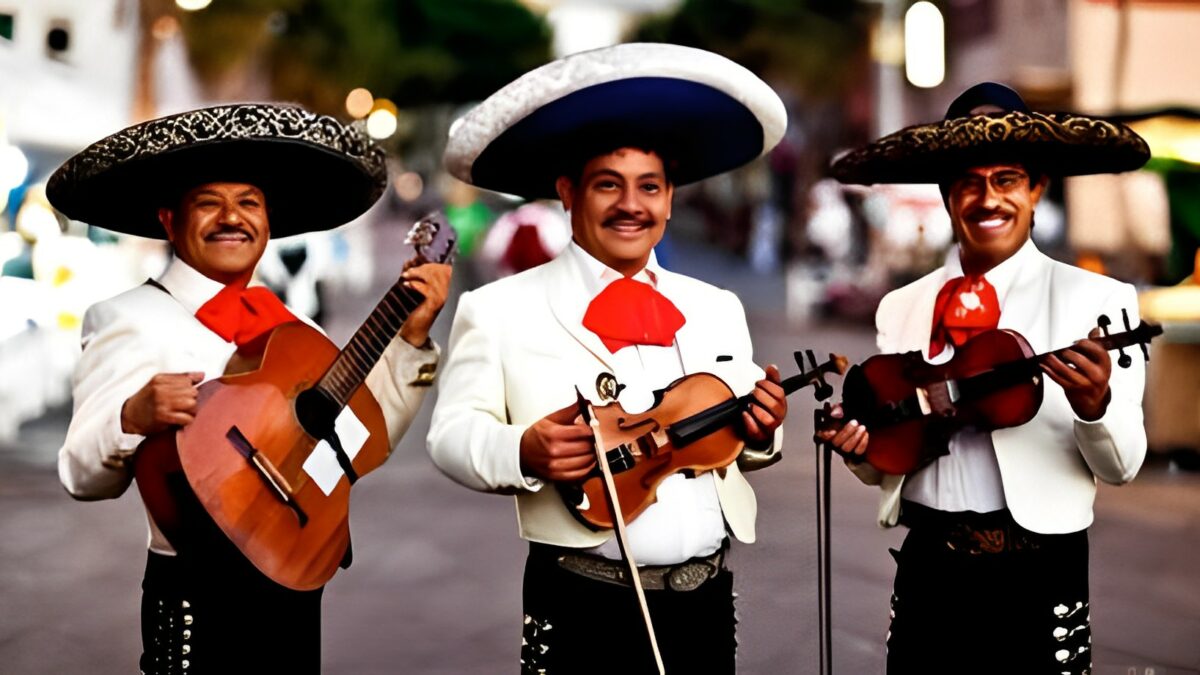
166 217
566 191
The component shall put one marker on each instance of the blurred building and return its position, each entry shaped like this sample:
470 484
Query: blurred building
589 24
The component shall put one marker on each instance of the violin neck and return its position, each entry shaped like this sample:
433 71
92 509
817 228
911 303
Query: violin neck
349 370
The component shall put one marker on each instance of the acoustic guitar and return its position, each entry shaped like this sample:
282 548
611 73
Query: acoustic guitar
278 441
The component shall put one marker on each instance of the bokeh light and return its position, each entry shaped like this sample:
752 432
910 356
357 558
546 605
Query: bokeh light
192 5
924 50
359 103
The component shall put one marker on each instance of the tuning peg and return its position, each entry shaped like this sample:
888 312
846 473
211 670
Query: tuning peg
822 389
1143 345
1124 360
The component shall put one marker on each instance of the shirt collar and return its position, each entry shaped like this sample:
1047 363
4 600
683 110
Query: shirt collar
191 288
596 275
1001 276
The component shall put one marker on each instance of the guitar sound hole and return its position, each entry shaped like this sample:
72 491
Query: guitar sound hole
316 412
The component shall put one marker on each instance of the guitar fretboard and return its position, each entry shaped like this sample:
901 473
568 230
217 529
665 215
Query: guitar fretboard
360 355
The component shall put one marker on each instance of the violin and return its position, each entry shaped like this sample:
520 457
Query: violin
994 381
689 429
278 440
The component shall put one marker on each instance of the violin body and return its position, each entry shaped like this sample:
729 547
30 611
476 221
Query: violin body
641 453
911 407
300 553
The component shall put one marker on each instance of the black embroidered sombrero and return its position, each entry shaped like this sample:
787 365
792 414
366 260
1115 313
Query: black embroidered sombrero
988 124
316 172
706 112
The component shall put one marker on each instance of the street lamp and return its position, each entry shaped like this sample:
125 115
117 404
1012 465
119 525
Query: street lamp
924 45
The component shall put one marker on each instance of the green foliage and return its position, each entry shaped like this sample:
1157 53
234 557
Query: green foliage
817 46
412 51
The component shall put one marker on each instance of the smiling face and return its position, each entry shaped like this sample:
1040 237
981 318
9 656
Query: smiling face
619 207
991 209
220 229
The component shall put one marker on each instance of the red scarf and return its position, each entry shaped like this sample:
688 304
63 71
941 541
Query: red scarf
241 314
965 307
629 312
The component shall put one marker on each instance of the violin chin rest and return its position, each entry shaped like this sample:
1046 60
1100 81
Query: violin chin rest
754 460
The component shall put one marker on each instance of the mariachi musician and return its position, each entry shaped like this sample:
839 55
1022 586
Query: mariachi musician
216 183
610 132
993 574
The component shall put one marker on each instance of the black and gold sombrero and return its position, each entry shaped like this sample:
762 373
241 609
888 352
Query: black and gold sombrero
316 172
988 124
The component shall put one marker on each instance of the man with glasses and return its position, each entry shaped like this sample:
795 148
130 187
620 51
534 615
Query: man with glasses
993 575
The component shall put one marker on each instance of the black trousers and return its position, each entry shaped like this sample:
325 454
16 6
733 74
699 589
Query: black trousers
208 610
579 626
977 593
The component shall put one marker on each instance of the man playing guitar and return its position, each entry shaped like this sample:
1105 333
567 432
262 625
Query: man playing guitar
993 575
271 170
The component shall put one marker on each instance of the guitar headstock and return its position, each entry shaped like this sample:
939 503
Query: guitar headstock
432 239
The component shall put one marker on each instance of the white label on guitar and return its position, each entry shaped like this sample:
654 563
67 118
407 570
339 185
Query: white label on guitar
322 464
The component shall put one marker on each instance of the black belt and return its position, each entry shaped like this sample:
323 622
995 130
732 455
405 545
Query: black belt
685 576
971 532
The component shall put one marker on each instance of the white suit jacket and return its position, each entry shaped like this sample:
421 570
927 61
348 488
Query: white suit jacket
1048 466
142 332
518 350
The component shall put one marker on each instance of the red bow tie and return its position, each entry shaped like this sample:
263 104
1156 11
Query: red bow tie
629 312
965 307
241 314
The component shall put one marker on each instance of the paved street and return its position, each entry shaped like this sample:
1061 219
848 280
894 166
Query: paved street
435 586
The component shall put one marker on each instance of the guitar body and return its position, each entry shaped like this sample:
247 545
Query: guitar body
903 442
261 403
650 455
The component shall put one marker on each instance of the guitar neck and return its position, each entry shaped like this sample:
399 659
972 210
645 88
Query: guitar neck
349 370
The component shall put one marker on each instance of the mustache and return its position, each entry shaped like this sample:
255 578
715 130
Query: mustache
231 229
622 217
981 213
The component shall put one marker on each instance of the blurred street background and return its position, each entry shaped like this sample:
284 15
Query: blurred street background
435 587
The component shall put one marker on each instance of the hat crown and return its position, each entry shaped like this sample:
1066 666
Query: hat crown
985 98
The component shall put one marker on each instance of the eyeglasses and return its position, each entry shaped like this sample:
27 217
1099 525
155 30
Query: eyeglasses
1002 182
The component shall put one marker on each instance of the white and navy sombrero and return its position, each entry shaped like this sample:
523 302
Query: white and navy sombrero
315 172
706 112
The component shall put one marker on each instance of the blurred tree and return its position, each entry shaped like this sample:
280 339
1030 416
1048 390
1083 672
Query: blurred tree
815 47
412 51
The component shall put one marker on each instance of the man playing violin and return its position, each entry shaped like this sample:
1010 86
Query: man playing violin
606 319
993 574
205 608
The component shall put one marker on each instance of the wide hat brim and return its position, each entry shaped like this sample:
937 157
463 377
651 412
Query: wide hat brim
706 112
315 172
1058 144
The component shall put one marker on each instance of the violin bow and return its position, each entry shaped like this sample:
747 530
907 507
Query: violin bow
585 409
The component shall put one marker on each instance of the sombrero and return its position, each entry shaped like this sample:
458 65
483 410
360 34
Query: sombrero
988 124
316 172
706 112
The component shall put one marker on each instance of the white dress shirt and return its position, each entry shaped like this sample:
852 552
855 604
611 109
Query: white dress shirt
686 519
967 479
132 337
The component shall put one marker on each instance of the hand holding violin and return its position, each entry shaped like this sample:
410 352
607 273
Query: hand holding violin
1083 373
761 420
558 447
848 437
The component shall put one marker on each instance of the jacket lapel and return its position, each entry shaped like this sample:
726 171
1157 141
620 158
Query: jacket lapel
568 303
691 339
1025 309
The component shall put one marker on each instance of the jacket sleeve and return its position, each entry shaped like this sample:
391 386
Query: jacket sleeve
399 383
471 439
751 459
95 459
1114 446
